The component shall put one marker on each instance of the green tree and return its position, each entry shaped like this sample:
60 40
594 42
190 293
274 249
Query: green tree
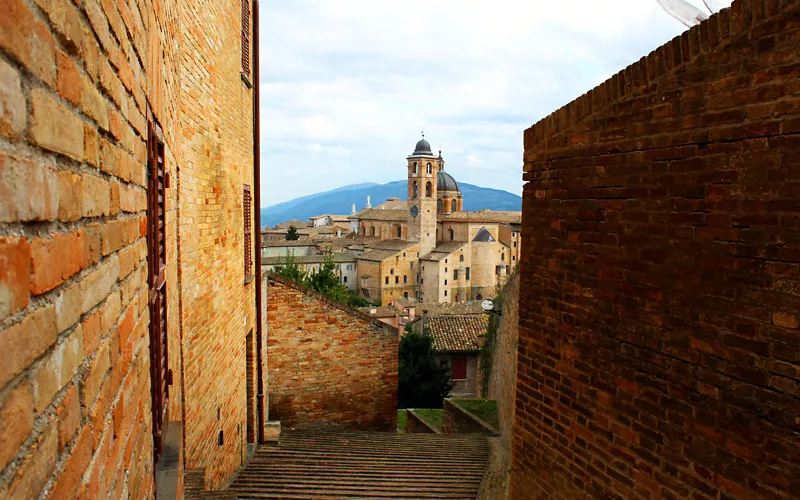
424 381
291 234
290 270
326 281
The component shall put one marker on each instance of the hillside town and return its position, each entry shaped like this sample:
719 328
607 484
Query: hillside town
632 333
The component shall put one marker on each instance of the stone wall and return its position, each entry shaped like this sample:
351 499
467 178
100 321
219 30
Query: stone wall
457 420
659 351
75 80
416 425
217 300
329 365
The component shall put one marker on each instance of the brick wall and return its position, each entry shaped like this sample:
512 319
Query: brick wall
74 384
218 305
659 350
328 364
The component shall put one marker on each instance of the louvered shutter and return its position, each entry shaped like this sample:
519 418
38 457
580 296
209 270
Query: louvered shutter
248 237
246 38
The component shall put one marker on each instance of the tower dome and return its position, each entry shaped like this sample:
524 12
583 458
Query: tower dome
445 182
423 147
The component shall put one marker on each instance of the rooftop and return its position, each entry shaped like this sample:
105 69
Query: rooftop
483 216
443 249
385 214
309 259
377 255
457 333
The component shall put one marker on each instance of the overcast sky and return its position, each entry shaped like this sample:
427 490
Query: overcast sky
347 85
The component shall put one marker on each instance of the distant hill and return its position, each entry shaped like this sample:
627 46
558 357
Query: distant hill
338 201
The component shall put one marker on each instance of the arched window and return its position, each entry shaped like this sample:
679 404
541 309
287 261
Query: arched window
372 231
453 236
399 231
430 169
461 258
416 170
439 205
428 190
415 192
453 206
502 257
364 230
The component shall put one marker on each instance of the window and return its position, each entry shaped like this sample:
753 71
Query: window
400 234
246 38
513 235
466 274
391 271
455 274
405 279
387 280
430 169
404 255
496 269
417 277
344 279
513 257
453 206
248 236
445 269
364 230
502 257
405 295
439 205
160 376
458 364
452 234
416 172
445 292
461 258
412 265
372 231
445 282
445 261
515 244
415 190
397 280
428 190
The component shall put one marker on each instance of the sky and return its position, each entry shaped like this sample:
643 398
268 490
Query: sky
347 86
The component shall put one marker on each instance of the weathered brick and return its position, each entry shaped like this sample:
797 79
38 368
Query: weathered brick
68 307
37 466
96 196
69 417
28 40
25 341
57 370
97 373
66 19
70 478
119 233
96 287
28 191
91 141
16 414
70 196
56 259
55 127
15 265
93 103
12 102
92 331
786 320
69 80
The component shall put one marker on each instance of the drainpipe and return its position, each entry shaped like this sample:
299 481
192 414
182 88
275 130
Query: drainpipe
257 199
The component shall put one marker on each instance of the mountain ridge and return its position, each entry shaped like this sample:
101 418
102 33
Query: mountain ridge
339 200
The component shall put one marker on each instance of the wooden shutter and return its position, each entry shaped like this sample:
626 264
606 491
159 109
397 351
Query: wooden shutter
248 236
157 263
246 38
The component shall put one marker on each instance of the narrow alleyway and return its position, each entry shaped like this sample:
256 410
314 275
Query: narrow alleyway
322 465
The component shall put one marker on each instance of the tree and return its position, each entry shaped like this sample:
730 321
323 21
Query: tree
290 270
326 281
424 381
291 234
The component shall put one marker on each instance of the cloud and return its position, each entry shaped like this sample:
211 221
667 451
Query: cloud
347 85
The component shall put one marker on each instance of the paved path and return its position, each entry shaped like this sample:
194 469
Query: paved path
337 465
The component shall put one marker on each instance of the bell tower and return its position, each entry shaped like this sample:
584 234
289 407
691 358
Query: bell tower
423 168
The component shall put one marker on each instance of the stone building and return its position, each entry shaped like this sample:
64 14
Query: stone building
345 266
462 255
127 160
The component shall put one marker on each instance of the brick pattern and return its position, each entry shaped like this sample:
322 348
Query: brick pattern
658 352
328 364
74 383
216 112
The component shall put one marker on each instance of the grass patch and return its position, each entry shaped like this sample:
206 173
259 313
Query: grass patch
402 416
484 409
433 417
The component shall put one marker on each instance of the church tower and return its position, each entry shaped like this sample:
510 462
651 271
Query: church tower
423 168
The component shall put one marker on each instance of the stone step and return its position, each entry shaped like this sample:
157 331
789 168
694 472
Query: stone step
361 465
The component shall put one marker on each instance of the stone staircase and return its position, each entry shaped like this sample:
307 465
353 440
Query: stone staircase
335 465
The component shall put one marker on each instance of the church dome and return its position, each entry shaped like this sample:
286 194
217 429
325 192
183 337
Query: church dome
445 182
423 147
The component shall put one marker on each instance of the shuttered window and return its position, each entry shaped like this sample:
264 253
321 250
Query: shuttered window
248 236
157 263
246 38
459 366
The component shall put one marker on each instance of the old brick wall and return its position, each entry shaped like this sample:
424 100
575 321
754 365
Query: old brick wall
218 305
328 364
75 78
659 351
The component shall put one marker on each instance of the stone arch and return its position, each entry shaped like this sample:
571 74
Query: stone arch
428 190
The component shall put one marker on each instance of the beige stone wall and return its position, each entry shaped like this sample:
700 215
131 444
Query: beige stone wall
74 382
216 116
369 280
400 275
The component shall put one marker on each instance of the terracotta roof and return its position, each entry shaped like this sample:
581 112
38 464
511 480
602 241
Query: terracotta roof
380 312
483 216
381 214
309 259
443 250
377 255
457 333
449 308
288 243
393 244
